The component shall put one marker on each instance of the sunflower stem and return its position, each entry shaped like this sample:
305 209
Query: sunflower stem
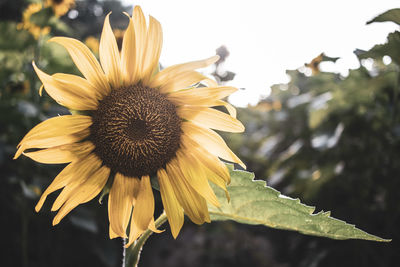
132 253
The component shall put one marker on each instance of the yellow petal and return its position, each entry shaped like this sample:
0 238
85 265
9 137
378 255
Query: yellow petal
83 170
152 50
211 141
139 24
231 110
211 118
86 191
172 71
61 180
56 131
210 161
152 227
200 96
109 54
195 176
120 203
112 234
172 207
61 154
194 205
143 211
181 81
85 61
68 94
79 82
129 60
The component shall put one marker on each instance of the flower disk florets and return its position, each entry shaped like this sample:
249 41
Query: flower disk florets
136 130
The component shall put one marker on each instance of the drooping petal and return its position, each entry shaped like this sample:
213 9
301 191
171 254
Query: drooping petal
152 227
120 203
172 207
211 141
153 50
143 211
211 118
181 81
109 54
170 72
194 205
61 180
210 161
231 110
200 96
195 176
85 61
129 60
61 154
82 172
90 188
56 131
68 94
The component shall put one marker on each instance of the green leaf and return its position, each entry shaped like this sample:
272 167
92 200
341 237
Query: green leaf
390 15
330 59
390 48
252 202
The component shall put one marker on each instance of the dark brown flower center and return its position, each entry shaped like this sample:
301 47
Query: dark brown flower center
136 130
57 2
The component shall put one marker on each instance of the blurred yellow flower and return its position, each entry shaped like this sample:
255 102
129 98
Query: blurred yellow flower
26 23
139 123
119 36
93 44
314 64
19 87
60 7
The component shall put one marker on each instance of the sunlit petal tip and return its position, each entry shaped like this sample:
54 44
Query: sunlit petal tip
18 153
138 10
41 90
40 203
56 221
126 14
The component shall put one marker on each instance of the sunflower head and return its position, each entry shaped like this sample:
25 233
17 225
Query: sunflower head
93 43
140 123
28 25
60 7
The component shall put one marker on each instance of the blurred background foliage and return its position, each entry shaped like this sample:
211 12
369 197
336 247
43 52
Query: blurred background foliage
330 140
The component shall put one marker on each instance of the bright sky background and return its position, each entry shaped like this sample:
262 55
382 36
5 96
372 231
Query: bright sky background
265 38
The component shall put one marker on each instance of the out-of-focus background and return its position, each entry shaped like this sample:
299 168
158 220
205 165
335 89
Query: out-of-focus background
327 132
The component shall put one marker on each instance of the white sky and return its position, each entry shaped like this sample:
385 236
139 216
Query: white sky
265 38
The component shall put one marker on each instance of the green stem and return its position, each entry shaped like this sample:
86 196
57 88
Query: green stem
132 253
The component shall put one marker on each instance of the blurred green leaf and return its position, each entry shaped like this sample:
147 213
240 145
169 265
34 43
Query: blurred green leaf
13 39
390 15
58 25
252 202
331 59
390 48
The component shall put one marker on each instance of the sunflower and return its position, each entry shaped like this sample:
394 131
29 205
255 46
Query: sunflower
28 25
93 43
134 122
119 37
60 7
